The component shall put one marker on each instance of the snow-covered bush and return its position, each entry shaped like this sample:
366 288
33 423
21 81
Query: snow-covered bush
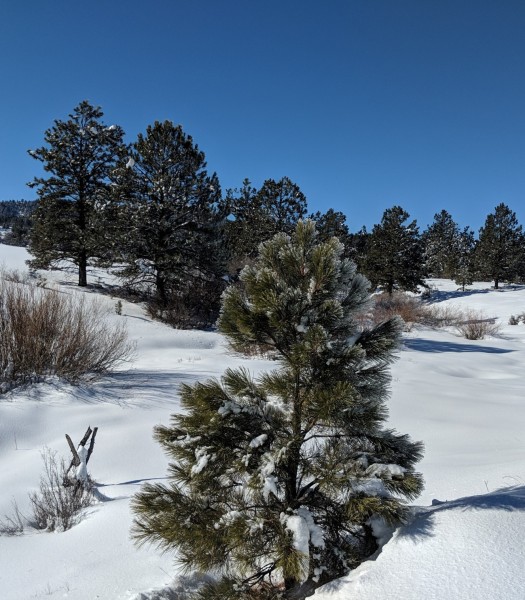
47 332
280 483
517 319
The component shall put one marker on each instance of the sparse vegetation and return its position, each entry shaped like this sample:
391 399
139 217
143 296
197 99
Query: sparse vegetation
58 503
14 523
517 319
46 332
413 310
476 326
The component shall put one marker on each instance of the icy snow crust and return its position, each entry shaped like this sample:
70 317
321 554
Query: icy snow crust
464 399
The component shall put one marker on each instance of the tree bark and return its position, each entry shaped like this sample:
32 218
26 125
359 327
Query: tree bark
82 269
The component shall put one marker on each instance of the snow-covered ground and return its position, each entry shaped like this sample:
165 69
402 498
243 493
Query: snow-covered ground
464 399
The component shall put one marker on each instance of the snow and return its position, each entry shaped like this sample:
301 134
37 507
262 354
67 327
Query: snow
463 399
258 441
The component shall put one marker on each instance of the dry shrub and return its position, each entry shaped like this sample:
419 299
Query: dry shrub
517 319
13 524
476 326
58 503
413 310
45 332
409 308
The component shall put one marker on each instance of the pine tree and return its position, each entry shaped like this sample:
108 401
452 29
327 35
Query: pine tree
500 246
439 241
248 227
70 220
330 224
394 258
259 214
464 247
174 214
278 482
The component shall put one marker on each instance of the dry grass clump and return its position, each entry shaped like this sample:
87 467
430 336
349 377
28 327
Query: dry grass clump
476 326
45 332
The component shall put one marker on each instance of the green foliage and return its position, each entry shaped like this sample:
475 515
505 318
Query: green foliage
464 251
500 252
16 216
275 483
332 223
439 242
69 222
259 215
172 214
394 257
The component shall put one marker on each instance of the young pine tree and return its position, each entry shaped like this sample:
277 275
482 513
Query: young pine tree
277 482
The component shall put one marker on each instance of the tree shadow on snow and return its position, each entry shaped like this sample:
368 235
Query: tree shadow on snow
508 499
441 295
424 345
141 388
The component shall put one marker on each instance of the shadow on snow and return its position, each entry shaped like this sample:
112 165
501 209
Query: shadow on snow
424 345
508 499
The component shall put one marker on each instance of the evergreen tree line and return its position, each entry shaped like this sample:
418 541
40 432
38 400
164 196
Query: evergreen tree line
16 220
152 208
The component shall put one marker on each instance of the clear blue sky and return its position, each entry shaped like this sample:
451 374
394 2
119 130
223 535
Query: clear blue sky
363 103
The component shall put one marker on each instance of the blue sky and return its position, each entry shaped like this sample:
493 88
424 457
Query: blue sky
363 103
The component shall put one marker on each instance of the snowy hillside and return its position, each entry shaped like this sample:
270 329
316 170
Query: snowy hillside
463 399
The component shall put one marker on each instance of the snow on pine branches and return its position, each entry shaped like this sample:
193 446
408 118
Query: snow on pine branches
277 483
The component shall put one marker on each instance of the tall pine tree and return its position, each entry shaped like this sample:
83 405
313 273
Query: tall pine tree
500 246
394 256
439 241
173 215
70 220
278 482
464 265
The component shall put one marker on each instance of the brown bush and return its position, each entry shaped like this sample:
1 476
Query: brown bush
412 310
45 332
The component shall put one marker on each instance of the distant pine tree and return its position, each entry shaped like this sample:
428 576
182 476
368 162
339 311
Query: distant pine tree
439 242
464 265
172 215
394 254
278 482
16 217
259 214
330 224
70 219
500 246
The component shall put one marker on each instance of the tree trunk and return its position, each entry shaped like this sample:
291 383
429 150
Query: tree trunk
160 284
496 283
82 269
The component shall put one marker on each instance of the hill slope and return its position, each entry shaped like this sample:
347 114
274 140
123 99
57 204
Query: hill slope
463 399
